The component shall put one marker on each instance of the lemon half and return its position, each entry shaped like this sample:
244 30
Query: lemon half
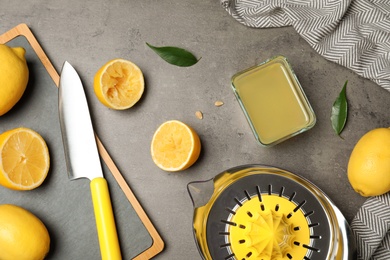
175 146
119 84
24 159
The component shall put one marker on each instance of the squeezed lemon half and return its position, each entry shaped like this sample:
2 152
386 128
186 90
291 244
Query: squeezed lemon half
119 84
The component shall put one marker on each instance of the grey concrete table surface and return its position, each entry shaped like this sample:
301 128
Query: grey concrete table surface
89 33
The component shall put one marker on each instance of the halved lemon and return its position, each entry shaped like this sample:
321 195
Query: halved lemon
24 159
119 84
175 146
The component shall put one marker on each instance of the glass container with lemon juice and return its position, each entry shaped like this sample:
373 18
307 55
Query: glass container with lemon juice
273 101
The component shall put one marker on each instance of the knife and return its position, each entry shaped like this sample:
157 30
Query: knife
82 156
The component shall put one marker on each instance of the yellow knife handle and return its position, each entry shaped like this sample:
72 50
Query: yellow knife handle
105 222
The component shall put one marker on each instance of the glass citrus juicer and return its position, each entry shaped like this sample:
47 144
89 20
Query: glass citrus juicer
257 212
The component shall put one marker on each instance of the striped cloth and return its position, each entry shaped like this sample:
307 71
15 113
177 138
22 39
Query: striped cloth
371 228
352 33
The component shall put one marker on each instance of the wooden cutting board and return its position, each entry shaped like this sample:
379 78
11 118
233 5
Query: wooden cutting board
65 206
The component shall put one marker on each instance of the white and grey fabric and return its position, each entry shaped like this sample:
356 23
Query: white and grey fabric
371 228
352 33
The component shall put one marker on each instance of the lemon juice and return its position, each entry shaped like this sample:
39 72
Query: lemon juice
273 101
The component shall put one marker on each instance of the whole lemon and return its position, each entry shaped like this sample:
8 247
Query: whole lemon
13 77
369 163
22 235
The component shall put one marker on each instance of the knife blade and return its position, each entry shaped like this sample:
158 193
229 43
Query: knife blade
82 156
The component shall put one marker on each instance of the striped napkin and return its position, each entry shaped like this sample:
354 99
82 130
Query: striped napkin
371 228
354 34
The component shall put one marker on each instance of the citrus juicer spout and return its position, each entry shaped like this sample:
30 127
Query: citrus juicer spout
200 192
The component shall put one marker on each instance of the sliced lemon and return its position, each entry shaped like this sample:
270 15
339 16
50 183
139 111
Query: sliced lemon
175 146
24 159
119 84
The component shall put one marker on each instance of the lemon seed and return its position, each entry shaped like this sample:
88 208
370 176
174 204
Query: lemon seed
199 114
218 103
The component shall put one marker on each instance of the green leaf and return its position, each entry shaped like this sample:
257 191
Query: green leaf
175 56
340 111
